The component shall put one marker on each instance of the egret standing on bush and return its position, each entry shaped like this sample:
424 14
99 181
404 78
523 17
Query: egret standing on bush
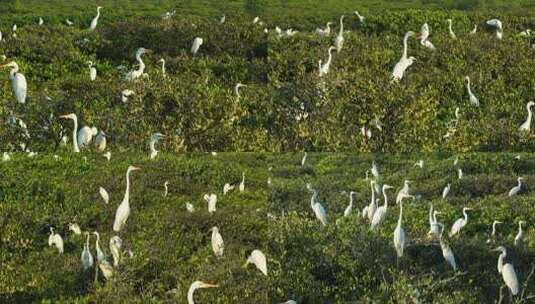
94 22
123 211
318 209
135 74
74 131
517 188
154 138
196 285
508 272
197 42
92 71
526 126
404 62
217 242
18 82
450 29
380 214
460 223
339 40
473 99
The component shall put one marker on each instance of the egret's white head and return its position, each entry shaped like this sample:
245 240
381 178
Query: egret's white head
531 104
11 64
68 116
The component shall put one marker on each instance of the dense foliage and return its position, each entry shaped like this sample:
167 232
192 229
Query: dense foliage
171 247
345 262
196 107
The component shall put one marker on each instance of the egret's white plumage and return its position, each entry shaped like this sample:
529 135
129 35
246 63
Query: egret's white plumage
85 135
405 61
123 211
318 209
361 18
493 232
197 42
164 72
94 22
447 253
100 141
242 183
520 234
434 225
508 272
380 214
125 94
446 191
474 30
304 159
154 138
87 257
517 188
403 192
18 82
74 130
399 233
498 27
349 207
526 126
450 29
211 199
339 40
324 67
473 99
237 89
135 74
326 31
217 242
424 37
92 71
115 248
459 223
56 240
75 228
258 258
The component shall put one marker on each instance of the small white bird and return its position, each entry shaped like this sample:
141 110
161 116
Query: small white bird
154 138
211 199
526 126
223 19
459 223
135 74
87 257
450 29
166 189
460 173
94 22
446 191
339 40
349 207
92 71
434 227
125 94
258 258
525 33
304 159
508 272
107 155
399 233
69 22
115 248
361 18
380 214
242 183
403 191
493 232
56 240
196 285
227 187
473 99
190 207
100 141
375 170
163 67
75 228
325 67
517 188
405 61
197 42
324 32
318 209
256 20
6 157
419 163
41 21
217 242
85 135
366 132
520 234
424 37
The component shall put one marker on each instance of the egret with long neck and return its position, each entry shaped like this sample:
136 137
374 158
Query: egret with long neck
74 130
324 68
473 98
405 61
380 214
18 82
135 74
508 272
526 126
94 22
339 41
123 211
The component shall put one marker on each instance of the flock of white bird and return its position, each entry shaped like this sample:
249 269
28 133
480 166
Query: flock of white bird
376 215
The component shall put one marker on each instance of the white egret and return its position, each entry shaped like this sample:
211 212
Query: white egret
304 159
103 264
154 138
163 67
197 42
516 189
100 141
361 18
424 37
41 21
375 170
227 187
339 40
125 94
520 234
107 155
74 130
94 22
223 19
380 214
433 222
237 89
446 191
196 285
349 207
450 29
190 207
403 191
14 29
258 258
166 189
399 233
459 223
318 209
256 20
242 183
498 27
366 132
135 74
447 253
460 173
168 15
525 33
85 135
474 30
87 257
100 254
18 82
404 62
92 71
75 228
69 22
526 126
56 240
508 272
493 232
115 248
217 242
211 199
324 67
419 163
473 99
372 207
6 157
123 211
326 31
